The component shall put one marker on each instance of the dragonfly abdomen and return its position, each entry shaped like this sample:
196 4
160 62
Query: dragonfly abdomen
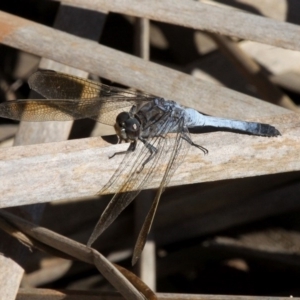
196 119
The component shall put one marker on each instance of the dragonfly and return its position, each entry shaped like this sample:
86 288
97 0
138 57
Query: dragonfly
156 129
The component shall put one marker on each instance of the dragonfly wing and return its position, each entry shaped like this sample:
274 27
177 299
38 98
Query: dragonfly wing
55 85
70 97
179 149
39 110
130 178
104 110
129 182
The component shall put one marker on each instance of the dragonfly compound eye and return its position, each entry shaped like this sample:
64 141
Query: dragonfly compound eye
122 118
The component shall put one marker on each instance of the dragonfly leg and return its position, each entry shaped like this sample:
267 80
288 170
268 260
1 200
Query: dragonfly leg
131 148
153 152
188 139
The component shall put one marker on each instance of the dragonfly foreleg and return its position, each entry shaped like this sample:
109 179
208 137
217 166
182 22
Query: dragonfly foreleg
152 150
131 148
188 139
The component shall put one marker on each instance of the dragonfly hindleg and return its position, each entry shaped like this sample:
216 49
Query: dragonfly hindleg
188 139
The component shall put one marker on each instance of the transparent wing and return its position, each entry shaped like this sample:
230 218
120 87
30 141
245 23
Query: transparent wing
55 85
128 176
179 149
103 110
70 98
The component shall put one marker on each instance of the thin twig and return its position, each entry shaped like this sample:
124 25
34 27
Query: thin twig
51 242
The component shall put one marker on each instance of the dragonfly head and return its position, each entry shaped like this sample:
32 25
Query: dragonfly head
127 127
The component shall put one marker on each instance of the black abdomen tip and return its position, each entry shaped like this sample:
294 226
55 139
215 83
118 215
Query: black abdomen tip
268 130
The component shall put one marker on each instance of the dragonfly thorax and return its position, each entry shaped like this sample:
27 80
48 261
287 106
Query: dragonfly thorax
127 127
